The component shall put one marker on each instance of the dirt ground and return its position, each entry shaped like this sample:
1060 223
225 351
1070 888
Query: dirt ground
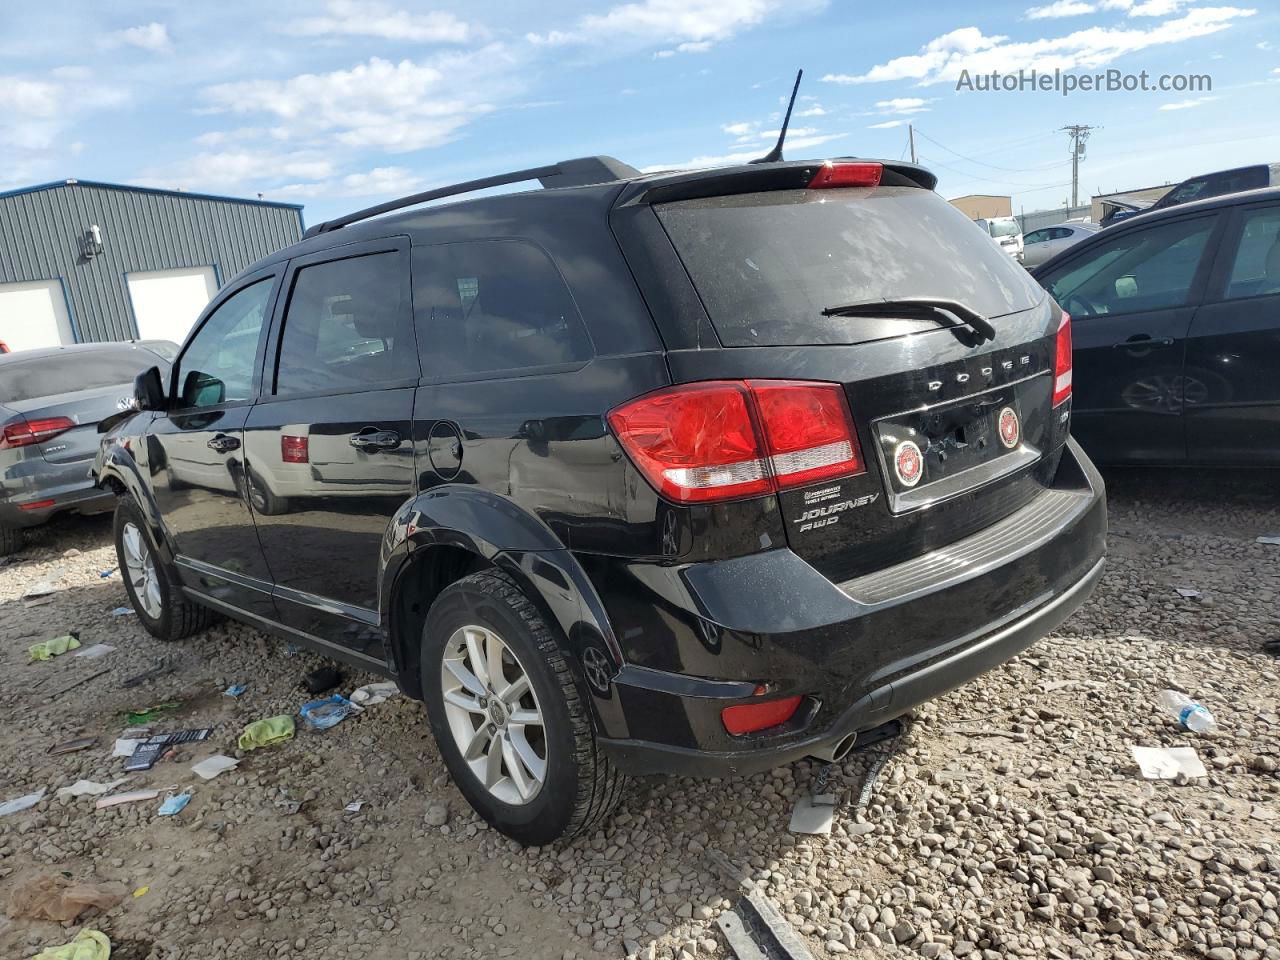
1010 821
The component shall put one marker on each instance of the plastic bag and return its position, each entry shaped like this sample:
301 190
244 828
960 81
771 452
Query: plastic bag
54 897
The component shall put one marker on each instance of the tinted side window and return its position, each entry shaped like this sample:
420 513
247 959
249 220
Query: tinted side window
1036 236
346 326
1256 270
217 366
1139 270
71 372
495 305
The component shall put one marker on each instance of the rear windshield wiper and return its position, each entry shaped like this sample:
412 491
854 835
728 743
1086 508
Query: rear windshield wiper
922 307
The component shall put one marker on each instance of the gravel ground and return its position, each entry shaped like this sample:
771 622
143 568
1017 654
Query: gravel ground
1011 820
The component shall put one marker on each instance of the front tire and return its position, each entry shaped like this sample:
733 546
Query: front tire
508 715
153 591
11 540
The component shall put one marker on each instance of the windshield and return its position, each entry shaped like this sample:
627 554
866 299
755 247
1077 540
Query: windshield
59 373
767 264
1003 228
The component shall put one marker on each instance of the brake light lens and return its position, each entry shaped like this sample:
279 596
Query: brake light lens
847 175
294 449
1062 361
26 432
729 439
752 717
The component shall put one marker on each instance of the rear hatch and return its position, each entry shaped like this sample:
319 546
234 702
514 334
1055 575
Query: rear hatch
954 418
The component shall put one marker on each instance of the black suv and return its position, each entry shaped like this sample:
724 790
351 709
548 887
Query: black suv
693 473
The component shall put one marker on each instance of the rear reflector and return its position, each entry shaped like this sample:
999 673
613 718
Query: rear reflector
26 432
847 175
751 717
1062 361
36 505
729 439
294 449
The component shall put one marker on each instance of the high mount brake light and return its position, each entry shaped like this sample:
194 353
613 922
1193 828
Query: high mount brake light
1062 361
847 175
26 432
729 439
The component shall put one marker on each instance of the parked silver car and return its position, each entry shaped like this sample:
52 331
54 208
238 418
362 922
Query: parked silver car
51 401
1039 245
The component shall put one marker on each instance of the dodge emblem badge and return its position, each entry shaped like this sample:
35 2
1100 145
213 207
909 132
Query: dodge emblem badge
908 463
1010 428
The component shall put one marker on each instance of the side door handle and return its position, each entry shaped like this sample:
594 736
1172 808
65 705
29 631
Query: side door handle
223 443
371 440
1143 342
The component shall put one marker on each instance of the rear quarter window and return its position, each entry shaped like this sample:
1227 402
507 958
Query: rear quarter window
767 264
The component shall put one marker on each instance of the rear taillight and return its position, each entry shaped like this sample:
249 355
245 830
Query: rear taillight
294 449
1062 361
729 439
847 175
753 717
26 432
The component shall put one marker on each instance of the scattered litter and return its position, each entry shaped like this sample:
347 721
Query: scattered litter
119 798
153 748
174 803
326 713
162 666
1275 541
262 733
1166 763
45 587
1189 714
815 809
210 767
141 892
322 680
88 945
94 652
374 693
103 574
38 601
52 896
291 649
354 806
89 788
1187 593
235 690
125 747
21 803
138 717
48 649
123 611
79 682
71 746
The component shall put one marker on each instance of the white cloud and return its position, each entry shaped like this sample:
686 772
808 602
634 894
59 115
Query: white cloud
943 59
230 169
737 129
728 159
887 124
1076 8
36 113
1060 8
904 105
371 18
378 182
814 111
1186 104
148 36
398 107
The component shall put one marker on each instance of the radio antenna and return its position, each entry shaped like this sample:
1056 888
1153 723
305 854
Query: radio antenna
774 155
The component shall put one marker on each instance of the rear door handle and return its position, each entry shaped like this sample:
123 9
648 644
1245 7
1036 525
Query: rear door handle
223 443
1143 342
371 440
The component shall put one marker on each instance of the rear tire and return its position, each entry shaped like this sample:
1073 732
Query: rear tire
153 590
11 540
579 786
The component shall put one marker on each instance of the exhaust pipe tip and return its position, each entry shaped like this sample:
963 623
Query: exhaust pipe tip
833 754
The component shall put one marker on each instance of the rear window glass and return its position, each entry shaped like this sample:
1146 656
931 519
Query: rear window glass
767 264
69 372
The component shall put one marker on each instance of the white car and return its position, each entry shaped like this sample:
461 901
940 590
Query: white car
1039 245
1006 232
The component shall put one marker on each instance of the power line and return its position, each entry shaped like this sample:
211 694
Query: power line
991 165
1079 135
973 176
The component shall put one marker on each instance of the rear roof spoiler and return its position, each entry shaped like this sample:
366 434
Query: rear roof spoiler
791 175
578 172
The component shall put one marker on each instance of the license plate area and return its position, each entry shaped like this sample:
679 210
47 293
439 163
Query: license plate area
939 451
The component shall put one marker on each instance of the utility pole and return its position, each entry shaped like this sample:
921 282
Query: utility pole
1079 134
911 139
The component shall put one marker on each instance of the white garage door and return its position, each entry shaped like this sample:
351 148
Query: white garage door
34 315
167 302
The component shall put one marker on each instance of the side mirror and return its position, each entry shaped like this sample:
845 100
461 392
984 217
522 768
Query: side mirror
148 390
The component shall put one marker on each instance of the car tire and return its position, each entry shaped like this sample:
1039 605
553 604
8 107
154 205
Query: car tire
161 606
11 540
579 786
262 499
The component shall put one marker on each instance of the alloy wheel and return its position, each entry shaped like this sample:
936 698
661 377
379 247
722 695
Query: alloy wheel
141 568
493 714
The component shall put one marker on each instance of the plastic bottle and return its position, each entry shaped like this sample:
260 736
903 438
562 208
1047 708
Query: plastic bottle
1191 715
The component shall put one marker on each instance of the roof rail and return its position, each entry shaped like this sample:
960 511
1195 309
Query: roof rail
567 173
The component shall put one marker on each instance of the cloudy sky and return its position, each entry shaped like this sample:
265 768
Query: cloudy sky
338 104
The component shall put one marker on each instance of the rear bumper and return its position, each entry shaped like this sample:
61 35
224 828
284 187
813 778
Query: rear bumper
69 486
861 652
